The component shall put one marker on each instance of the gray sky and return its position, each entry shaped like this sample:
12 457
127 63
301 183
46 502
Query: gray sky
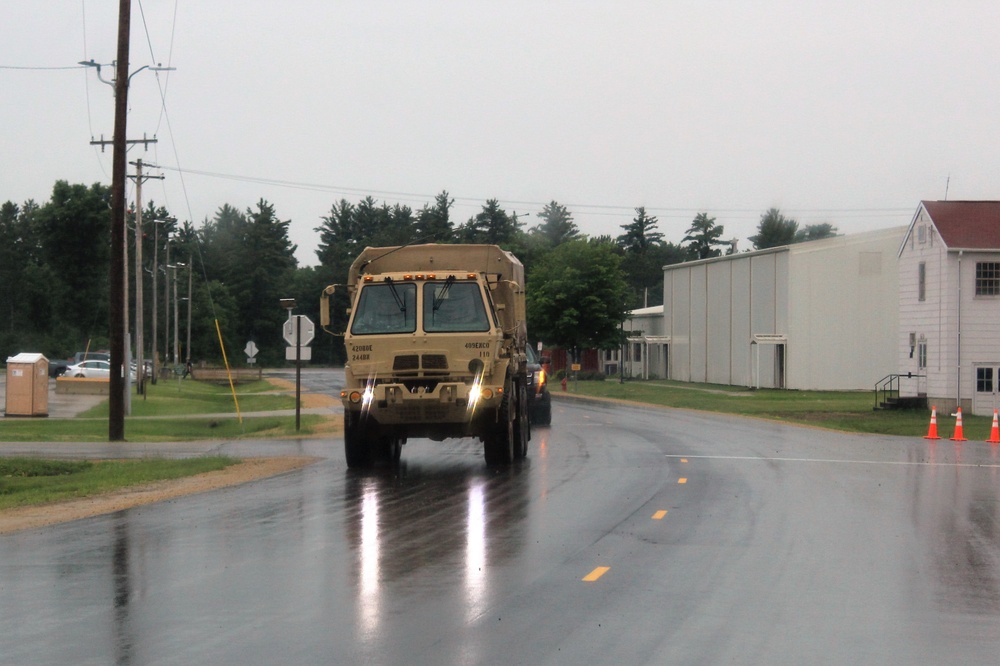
841 112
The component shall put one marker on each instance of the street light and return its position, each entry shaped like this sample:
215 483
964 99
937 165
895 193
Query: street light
156 271
97 66
177 355
187 349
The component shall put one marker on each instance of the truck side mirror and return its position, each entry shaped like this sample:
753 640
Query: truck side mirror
325 319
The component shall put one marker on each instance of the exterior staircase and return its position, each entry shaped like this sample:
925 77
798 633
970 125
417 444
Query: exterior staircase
887 394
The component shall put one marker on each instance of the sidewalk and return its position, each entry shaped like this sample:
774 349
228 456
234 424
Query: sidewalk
66 406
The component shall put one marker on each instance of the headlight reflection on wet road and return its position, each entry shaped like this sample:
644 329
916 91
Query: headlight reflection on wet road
475 550
368 601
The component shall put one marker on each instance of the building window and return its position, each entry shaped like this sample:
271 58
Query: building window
984 380
636 351
922 234
922 355
921 281
988 278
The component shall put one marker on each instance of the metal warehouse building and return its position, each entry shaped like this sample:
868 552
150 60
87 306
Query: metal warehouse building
821 315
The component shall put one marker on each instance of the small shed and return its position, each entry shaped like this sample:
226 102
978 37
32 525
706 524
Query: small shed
27 385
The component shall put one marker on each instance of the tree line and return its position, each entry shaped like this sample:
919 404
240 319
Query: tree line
54 263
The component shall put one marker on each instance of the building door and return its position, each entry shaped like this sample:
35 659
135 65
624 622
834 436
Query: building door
987 382
779 366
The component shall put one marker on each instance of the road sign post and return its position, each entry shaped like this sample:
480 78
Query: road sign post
298 332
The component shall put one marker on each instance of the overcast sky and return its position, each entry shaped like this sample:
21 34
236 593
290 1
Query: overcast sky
841 112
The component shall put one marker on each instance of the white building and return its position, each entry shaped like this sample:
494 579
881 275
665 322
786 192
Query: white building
646 350
819 315
949 304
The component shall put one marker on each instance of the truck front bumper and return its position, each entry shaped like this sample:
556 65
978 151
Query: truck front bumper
448 402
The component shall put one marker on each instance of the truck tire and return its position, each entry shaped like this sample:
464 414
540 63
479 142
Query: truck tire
543 416
522 423
357 451
499 442
390 448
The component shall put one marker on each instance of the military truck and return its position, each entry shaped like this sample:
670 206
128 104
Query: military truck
435 339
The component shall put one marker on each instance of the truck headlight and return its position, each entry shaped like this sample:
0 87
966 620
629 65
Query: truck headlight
364 397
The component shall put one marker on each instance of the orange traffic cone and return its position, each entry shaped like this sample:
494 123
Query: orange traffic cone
958 437
932 431
995 432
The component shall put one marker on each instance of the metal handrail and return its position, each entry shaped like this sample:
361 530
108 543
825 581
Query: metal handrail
885 386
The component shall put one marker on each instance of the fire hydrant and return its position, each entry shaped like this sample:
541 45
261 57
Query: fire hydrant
563 383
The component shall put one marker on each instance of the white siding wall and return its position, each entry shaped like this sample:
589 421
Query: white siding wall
980 321
699 323
739 339
843 311
764 278
713 308
680 324
835 300
933 321
719 327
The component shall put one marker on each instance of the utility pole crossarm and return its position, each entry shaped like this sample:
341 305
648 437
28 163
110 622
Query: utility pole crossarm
102 142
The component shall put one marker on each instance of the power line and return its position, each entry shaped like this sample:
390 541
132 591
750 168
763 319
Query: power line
38 68
589 209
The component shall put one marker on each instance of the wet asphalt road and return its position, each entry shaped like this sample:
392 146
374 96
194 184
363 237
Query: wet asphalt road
779 545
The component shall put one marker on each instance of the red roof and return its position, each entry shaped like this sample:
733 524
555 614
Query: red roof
970 225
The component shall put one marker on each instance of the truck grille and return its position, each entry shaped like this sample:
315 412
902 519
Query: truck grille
414 362
435 362
408 362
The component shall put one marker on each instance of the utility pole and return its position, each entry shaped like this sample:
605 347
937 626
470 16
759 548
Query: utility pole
187 349
116 398
118 320
140 361
166 305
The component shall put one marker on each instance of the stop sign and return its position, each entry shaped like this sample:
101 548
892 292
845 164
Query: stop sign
298 325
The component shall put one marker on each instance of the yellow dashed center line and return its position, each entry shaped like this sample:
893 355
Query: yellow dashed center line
682 480
595 574
660 515
684 460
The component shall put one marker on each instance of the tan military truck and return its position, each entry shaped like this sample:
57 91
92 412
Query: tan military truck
435 342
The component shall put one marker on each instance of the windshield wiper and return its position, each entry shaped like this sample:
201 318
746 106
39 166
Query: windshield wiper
441 295
395 295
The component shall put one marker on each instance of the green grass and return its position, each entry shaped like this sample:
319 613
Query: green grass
28 481
172 398
175 411
851 411
157 430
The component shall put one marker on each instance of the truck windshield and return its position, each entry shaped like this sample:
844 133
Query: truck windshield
386 308
454 307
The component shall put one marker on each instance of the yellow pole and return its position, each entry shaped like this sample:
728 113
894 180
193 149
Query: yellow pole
229 374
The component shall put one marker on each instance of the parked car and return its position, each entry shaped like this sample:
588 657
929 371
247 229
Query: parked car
79 357
539 399
58 368
93 369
